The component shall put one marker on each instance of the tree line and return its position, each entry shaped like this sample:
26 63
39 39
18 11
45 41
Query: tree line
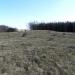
58 26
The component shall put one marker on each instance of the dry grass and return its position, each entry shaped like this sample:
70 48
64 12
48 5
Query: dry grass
38 53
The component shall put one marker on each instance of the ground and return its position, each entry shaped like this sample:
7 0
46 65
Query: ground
37 53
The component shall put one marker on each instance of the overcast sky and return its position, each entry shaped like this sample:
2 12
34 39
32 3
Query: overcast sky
17 13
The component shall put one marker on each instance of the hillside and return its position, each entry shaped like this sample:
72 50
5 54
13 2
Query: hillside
38 53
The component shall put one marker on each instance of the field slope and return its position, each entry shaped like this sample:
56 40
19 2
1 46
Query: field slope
37 53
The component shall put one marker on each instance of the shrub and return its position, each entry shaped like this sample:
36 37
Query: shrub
24 34
11 29
4 28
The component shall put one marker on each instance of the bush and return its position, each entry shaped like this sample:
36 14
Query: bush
11 30
4 28
24 34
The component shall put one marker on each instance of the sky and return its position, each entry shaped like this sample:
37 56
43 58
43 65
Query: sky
18 13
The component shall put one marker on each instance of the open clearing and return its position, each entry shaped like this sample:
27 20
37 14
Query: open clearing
38 53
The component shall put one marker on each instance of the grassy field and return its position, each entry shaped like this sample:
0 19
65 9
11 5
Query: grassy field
37 53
